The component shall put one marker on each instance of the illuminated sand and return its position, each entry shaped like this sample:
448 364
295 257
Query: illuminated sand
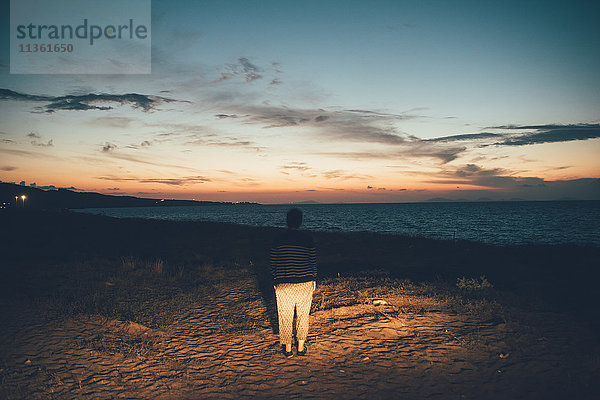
415 347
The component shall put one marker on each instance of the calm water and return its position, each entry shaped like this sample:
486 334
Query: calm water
491 222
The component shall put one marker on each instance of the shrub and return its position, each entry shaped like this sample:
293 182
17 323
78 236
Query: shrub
473 283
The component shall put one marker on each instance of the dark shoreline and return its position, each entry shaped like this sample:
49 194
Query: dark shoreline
558 277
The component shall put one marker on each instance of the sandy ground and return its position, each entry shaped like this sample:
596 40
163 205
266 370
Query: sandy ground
412 347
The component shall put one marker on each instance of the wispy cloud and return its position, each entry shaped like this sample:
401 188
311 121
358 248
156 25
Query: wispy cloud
242 67
90 101
351 125
108 147
381 189
49 143
341 174
30 154
296 166
551 133
180 181
310 172
214 140
223 116
144 158
7 168
472 174
145 143
251 71
521 135
36 142
113 122
465 137
410 150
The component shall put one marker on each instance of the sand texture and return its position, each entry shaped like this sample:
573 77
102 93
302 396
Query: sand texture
411 347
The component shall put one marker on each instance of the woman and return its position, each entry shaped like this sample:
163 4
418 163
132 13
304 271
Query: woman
294 269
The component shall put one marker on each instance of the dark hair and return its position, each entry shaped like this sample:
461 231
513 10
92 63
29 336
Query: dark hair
294 218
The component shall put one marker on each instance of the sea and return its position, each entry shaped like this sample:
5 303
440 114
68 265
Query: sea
505 223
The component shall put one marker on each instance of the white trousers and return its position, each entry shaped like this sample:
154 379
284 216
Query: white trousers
292 296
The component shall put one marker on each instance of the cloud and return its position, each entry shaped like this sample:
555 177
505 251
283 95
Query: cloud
224 76
350 125
188 134
381 189
243 67
276 66
377 114
551 133
298 166
521 135
472 174
30 154
108 147
182 181
90 101
7 94
251 71
415 149
343 175
471 170
213 140
153 161
465 137
113 122
35 141
42 144
7 168
302 167
445 154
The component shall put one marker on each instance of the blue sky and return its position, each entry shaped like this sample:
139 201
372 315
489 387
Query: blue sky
279 101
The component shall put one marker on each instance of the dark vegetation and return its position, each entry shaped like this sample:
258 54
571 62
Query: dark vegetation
59 198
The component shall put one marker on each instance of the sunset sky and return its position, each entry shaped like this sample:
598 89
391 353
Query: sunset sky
329 101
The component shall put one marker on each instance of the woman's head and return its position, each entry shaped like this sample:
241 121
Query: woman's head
294 218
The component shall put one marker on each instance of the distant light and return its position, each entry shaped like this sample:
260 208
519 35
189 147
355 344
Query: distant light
23 197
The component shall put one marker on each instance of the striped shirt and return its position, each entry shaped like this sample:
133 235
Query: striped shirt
293 258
